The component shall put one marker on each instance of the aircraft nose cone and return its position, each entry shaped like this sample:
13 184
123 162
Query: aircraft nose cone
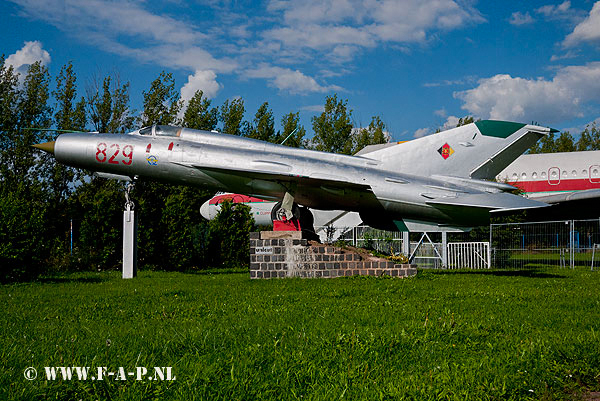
46 146
204 210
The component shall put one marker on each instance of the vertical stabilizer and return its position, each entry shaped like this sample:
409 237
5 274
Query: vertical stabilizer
478 150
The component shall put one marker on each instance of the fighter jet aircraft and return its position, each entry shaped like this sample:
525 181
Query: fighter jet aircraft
441 179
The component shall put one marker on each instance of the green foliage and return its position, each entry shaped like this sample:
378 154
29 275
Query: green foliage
465 335
590 138
333 127
96 209
199 114
374 134
184 228
9 133
264 125
464 121
68 116
161 102
231 116
290 123
31 110
229 236
109 106
551 144
25 237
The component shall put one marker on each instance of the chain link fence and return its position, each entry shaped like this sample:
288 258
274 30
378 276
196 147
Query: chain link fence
564 243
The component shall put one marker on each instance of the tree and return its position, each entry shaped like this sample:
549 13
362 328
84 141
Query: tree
374 134
25 235
230 235
33 112
185 245
161 102
199 114
96 208
109 106
464 121
68 116
161 105
590 138
9 97
290 123
549 144
232 114
565 142
333 128
264 125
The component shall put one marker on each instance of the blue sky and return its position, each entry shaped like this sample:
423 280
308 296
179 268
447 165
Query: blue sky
419 64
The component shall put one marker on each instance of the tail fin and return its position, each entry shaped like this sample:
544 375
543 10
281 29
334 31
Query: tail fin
478 150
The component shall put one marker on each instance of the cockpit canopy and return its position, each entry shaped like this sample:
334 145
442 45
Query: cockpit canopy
161 130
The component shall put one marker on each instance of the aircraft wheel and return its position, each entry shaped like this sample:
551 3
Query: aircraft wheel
278 214
307 219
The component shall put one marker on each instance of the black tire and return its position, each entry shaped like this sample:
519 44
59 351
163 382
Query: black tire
276 211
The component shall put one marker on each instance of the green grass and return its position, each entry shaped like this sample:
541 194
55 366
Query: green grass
442 335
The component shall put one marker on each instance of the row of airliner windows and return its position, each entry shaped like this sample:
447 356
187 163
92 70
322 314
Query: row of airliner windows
554 174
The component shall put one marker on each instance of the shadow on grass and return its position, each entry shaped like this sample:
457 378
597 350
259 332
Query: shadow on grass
210 272
531 273
67 279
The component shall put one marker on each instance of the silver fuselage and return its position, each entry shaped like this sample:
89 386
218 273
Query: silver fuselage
318 180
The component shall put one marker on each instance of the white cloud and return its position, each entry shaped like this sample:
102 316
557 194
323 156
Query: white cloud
289 80
127 29
561 13
421 132
588 30
441 112
27 55
326 33
548 101
518 18
315 108
318 24
206 81
553 10
451 82
451 122
567 55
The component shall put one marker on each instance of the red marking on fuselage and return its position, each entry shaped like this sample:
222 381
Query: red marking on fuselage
235 198
579 184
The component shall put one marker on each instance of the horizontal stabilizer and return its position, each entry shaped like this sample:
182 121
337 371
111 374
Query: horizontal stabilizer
570 196
493 202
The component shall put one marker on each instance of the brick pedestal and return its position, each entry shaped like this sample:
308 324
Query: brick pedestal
285 254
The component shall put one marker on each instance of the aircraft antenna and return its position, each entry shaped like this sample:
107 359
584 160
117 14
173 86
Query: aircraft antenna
288 137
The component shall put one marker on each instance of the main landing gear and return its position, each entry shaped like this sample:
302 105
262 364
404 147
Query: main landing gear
289 216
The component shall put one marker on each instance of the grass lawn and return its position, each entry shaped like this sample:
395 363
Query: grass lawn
442 335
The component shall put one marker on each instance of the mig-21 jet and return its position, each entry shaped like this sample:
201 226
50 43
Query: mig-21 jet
445 179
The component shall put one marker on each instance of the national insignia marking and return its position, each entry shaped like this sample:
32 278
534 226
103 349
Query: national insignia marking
446 151
152 160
